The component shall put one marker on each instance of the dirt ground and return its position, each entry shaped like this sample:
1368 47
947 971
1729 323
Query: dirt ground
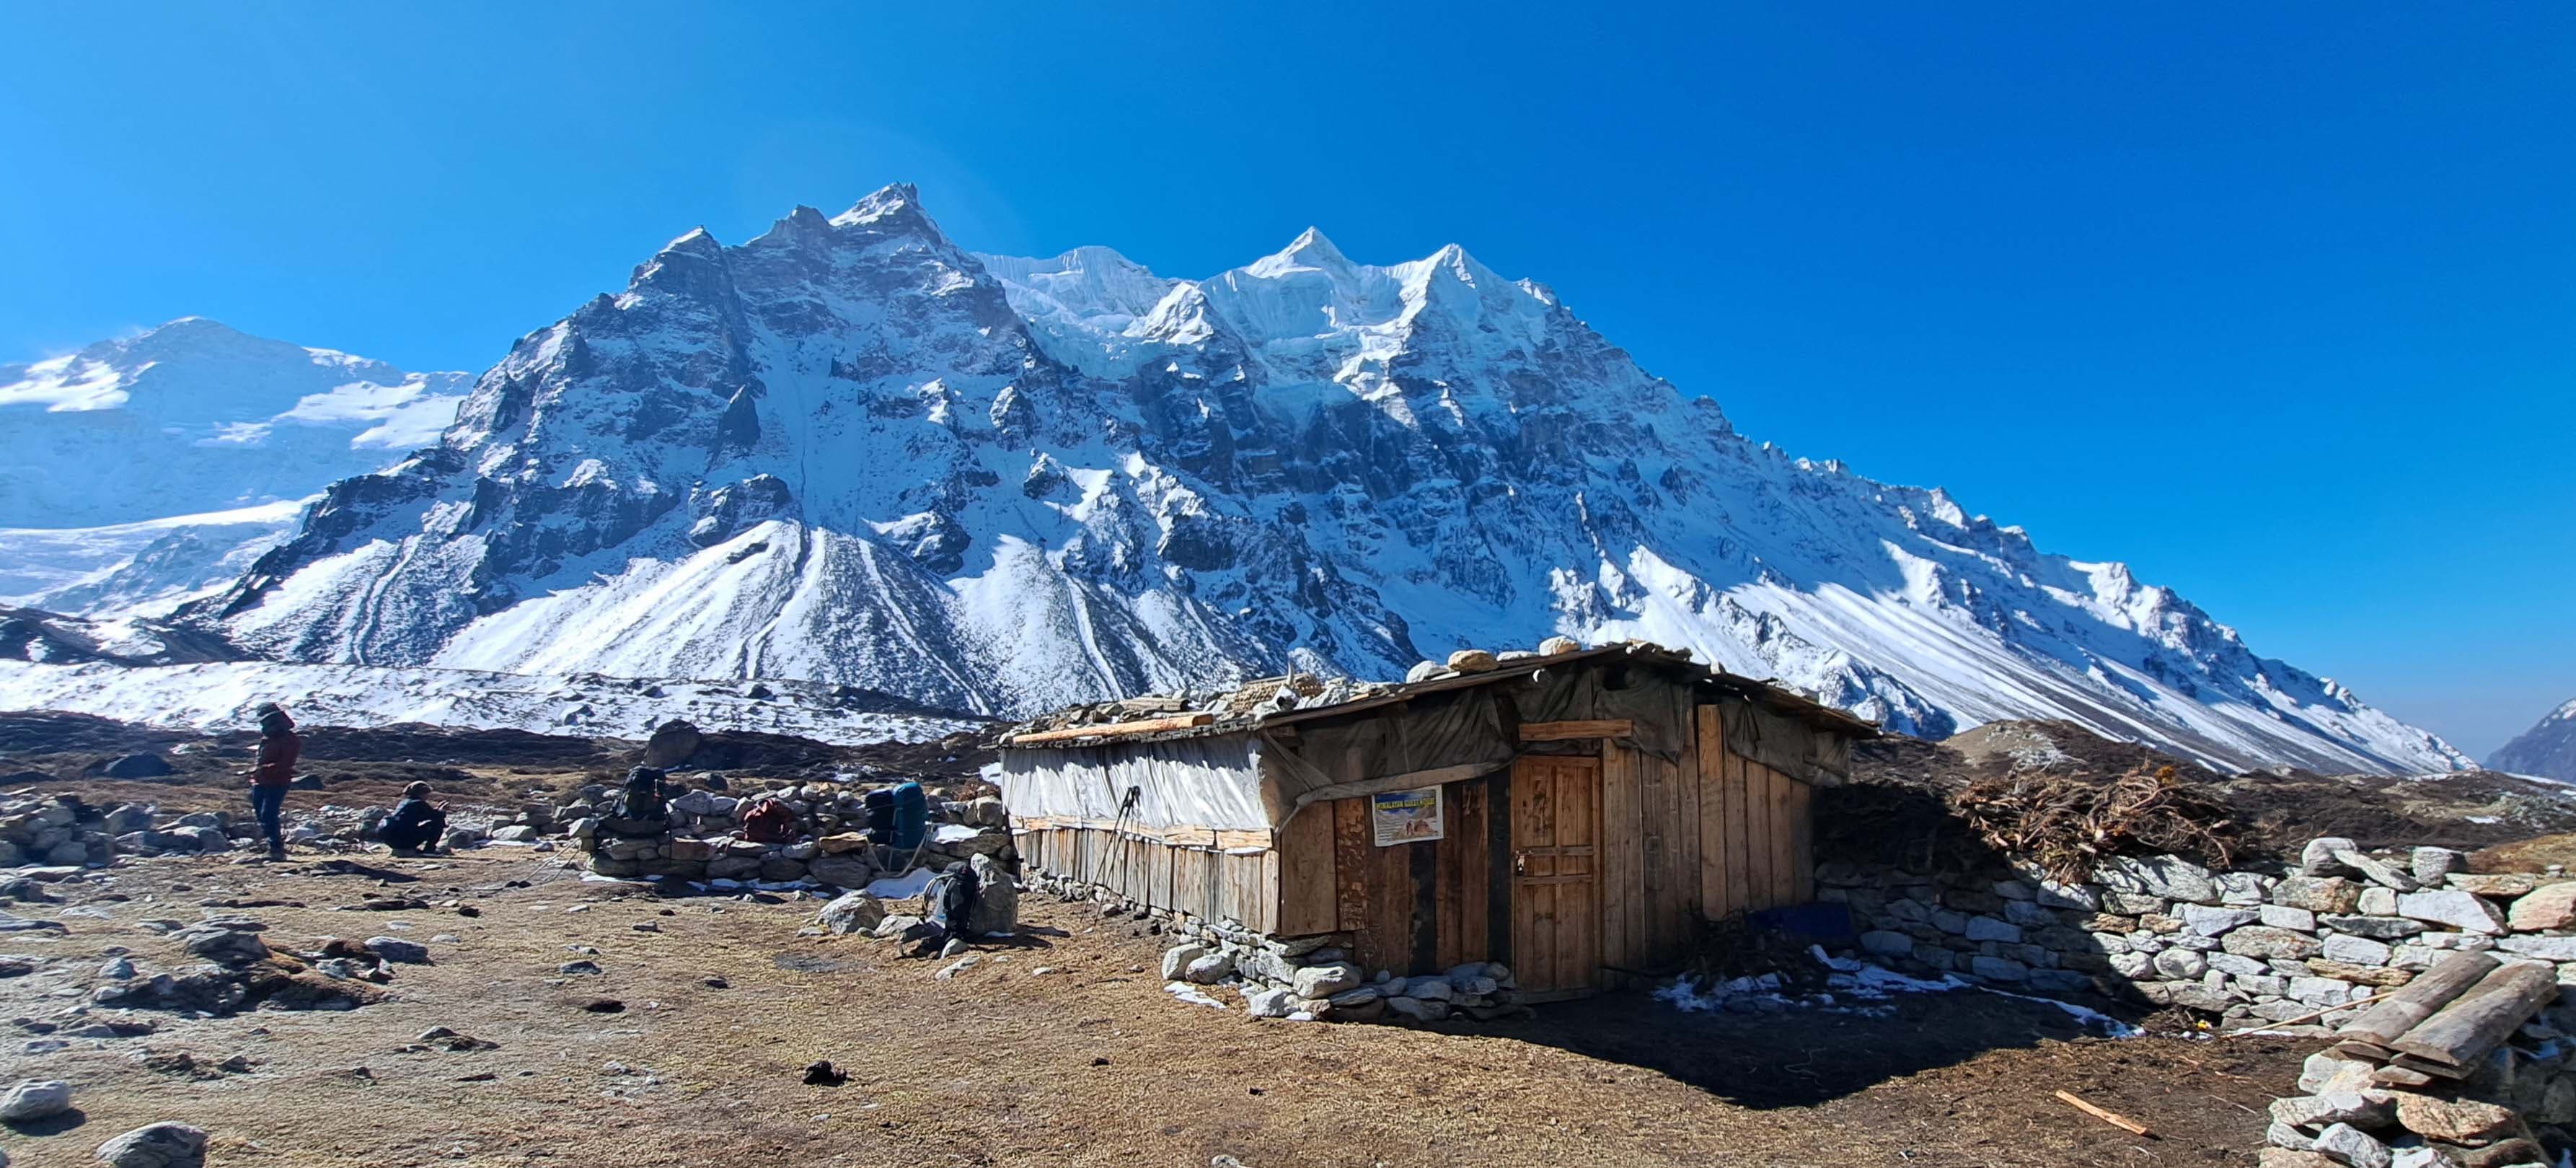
1089 1062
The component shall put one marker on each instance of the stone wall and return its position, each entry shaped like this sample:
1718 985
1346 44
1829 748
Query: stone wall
705 842
2248 946
1303 978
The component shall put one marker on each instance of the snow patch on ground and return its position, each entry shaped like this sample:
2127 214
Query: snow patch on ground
1851 987
220 697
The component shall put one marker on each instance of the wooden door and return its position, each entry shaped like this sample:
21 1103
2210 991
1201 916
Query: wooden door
1556 873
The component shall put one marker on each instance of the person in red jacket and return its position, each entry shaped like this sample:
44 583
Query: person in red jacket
279 747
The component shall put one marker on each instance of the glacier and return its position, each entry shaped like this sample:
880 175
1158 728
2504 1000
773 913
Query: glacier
850 451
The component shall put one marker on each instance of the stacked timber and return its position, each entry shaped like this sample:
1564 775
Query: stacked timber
2425 1077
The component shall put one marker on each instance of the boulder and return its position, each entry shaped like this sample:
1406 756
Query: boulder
987 812
2430 865
1208 969
1472 661
1264 964
2455 1121
840 870
2377 928
673 743
2321 894
2282 916
399 951
2333 1107
2461 910
159 1145
852 912
997 899
1559 646
137 766
2505 884
906 928
1177 959
1326 981
2318 858
2352 950
2352 1146
1417 1009
2267 942
35 1099
1998 968
2286 1158
2210 922
2378 871
2553 907
1887 944
518 833
1993 929
224 945
2169 877
1269 1003
2181 964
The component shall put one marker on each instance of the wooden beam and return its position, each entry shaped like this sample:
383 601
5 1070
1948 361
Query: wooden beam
1591 728
2418 1000
2113 1118
1109 729
2461 1033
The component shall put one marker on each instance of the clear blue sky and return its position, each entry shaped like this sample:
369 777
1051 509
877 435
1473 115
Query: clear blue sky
2276 302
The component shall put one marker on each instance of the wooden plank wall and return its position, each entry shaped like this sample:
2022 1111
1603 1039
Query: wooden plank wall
1239 883
1413 908
1758 840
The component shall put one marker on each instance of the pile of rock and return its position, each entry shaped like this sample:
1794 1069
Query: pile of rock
57 830
2364 1114
2248 946
1466 661
705 840
1313 979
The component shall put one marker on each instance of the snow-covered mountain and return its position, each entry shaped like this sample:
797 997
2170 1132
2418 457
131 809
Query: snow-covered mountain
851 451
2547 750
138 473
193 417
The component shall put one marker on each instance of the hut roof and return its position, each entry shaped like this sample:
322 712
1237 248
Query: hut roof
1237 717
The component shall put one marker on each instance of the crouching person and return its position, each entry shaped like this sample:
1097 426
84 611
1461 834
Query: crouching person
417 825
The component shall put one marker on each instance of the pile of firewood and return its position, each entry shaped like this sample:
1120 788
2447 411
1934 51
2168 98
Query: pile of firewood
2070 825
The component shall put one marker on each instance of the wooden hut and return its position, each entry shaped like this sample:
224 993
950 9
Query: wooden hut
1573 816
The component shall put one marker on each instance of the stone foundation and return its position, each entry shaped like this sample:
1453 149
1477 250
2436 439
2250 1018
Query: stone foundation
1301 978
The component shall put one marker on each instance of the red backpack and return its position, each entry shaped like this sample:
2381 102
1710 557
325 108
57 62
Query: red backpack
770 822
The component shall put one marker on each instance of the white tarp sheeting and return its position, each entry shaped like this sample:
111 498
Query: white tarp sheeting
1211 782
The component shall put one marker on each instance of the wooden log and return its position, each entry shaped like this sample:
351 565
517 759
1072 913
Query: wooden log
2113 1118
1561 731
2460 1034
1112 729
2417 1000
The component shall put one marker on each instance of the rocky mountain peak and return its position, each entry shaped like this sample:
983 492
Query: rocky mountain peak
857 454
2547 750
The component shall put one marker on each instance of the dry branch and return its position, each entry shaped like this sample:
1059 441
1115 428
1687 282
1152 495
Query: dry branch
2070 825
